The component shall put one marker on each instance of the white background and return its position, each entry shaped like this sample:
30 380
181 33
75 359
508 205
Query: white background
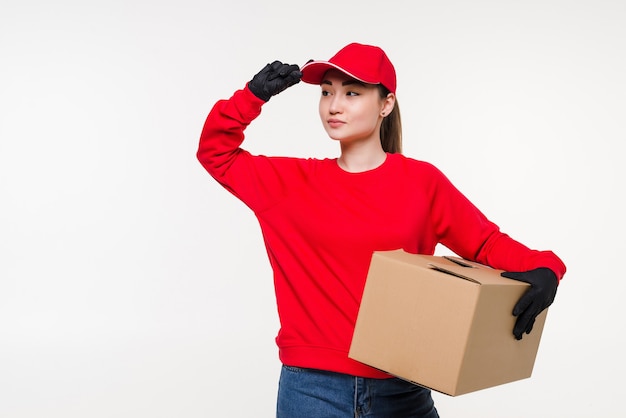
132 285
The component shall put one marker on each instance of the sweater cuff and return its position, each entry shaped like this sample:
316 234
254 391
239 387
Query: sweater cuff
252 97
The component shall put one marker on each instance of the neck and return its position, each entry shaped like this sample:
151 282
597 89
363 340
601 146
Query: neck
356 158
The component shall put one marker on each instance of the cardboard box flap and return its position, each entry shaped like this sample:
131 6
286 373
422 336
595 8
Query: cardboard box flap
472 271
449 271
457 260
455 266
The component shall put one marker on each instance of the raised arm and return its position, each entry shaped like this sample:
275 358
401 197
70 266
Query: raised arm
219 149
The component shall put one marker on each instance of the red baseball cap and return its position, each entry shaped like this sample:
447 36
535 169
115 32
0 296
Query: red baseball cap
365 63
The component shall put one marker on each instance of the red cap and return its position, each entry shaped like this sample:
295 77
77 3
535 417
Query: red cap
366 63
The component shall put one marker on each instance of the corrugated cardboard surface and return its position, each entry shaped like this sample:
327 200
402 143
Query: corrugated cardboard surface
447 330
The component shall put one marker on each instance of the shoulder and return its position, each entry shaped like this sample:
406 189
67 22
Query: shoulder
413 165
304 166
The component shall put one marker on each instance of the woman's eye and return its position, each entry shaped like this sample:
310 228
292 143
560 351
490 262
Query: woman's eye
325 93
352 93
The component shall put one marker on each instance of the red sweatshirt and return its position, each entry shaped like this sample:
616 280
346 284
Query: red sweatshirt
321 225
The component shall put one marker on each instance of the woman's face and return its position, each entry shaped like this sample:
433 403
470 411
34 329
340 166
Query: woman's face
350 110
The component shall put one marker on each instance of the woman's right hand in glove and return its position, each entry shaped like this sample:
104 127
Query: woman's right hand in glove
273 79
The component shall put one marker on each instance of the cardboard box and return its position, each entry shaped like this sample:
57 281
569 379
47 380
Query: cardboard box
442 322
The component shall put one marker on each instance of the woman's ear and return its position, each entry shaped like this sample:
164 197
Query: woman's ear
388 104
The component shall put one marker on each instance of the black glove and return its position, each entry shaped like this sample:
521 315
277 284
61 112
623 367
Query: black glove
541 294
273 79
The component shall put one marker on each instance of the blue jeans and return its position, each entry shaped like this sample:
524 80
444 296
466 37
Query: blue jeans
310 393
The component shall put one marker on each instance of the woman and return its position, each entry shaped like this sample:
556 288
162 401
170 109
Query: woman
322 219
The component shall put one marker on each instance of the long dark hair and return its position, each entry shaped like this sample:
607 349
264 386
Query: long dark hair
391 128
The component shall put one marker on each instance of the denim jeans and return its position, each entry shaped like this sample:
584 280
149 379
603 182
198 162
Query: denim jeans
310 393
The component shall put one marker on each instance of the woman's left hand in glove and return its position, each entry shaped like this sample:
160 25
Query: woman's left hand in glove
543 283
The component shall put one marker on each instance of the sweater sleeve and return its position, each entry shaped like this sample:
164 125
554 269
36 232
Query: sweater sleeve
255 179
463 228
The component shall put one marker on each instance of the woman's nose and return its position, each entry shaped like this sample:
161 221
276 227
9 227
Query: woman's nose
335 105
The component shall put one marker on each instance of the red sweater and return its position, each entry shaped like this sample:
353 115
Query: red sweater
322 224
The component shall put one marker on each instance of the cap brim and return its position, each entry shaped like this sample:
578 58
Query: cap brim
313 72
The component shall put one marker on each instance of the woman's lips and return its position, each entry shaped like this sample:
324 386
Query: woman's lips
335 123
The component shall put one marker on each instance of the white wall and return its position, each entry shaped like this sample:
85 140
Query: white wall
132 285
